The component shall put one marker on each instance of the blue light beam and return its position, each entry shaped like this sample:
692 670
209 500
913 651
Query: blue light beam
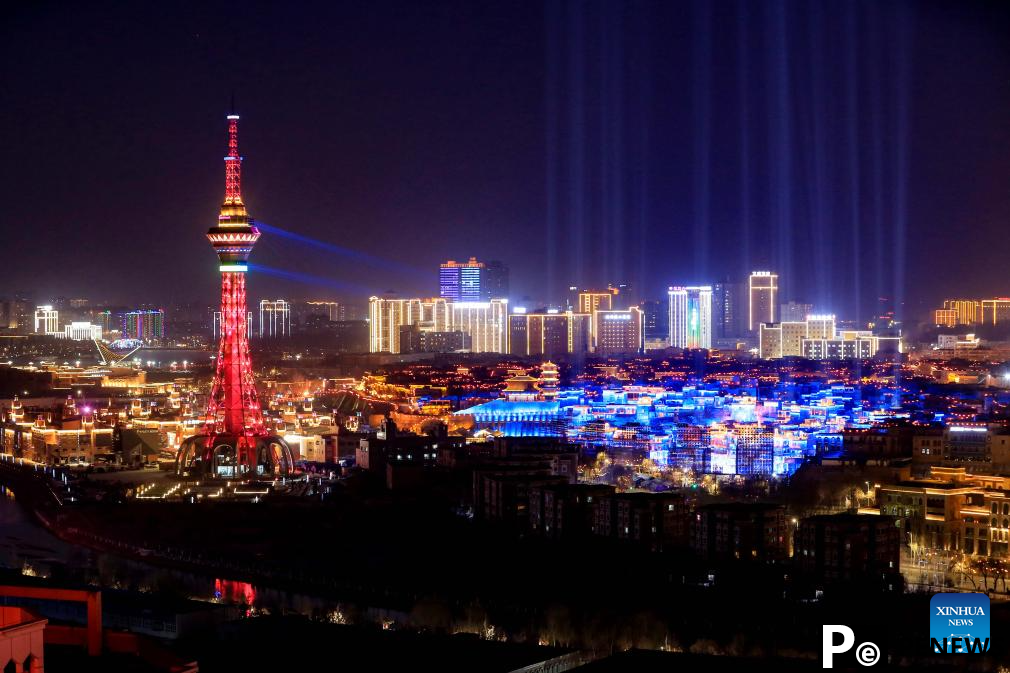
349 253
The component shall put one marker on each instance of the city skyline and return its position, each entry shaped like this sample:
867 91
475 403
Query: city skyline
569 174
707 297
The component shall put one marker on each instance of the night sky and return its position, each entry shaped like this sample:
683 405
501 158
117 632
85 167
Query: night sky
860 149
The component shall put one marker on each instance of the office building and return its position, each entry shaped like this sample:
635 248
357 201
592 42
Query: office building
461 281
690 317
549 334
591 301
82 331
386 316
994 311
968 311
729 310
103 319
617 332
47 320
951 510
656 320
485 322
413 339
762 290
813 338
275 318
144 324
820 326
769 341
945 317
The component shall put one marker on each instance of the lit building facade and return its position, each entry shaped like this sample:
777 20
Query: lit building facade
945 317
387 316
762 290
485 322
952 510
617 332
994 311
144 325
82 331
47 320
461 281
820 326
330 309
769 341
755 449
549 334
591 301
275 318
690 317
817 338
968 311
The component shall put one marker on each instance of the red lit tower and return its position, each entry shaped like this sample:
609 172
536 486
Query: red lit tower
234 442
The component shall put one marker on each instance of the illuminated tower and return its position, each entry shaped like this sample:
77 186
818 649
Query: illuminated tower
235 442
763 288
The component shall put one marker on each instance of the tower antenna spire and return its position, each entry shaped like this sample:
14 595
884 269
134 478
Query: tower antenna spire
233 166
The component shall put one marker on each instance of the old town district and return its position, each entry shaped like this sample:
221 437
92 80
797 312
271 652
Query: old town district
901 484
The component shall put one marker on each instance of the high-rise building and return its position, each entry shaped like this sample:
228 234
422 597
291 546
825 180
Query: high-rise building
729 310
763 289
794 312
275 318
386 316
656 319
415 340
494 283
945 317
103 319
769 341
549 334
330 309
968 311
485 322
691 316
47 320
461 281
591 301
144 324
617 332
234 442
994 311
